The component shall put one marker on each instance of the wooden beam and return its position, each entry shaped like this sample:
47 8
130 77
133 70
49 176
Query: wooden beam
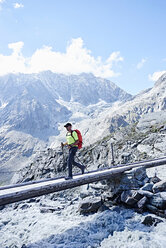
19 192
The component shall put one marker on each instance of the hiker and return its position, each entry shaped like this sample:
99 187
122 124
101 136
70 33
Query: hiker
72 143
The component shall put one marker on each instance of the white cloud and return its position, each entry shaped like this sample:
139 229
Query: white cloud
141 63
14 62
1 1
156 75
18 5
75 60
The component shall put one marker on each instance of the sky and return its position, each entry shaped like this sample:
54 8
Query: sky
121 40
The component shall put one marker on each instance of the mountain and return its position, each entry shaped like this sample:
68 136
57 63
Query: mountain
150 101
34 107
34 103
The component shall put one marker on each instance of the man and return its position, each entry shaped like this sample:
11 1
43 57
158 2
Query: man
72 142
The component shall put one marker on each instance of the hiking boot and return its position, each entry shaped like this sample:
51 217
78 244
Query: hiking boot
68 178
83 169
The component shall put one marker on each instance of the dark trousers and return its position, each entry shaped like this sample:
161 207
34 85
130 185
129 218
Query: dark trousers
70 161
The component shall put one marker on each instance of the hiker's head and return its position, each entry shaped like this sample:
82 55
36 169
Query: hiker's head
68 126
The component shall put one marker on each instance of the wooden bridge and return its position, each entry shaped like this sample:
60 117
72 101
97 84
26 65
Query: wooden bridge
19 192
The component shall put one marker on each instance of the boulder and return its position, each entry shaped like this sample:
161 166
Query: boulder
160 186
129 197
152 208
90 205
155 179
150 221
148 194
103 208
139 173
159 200
141 203
137 196
147 187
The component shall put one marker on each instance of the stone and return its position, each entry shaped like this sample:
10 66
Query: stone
103 208
130 201
160 186
155 179
136 195
90 205
150 221
85 194
127 198
159 200
2 207
145 193
24 206
49 209
125 195
152 208
139 173
147 187
141 203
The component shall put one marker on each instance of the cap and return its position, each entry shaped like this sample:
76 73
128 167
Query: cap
67 124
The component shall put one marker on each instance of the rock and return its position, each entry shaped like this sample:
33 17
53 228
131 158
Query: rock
24 206
90 205
160 186
145 193
2 207
155 179
130 201
85 194
107 196
141 203
49 209
127 198
136 195
159 200
152 208
139 173
150 221
147 187
103 208
125 195
126 156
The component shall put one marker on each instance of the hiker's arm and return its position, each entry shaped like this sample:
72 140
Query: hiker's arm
63 144
75 143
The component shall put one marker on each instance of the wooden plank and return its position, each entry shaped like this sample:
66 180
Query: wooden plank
30 190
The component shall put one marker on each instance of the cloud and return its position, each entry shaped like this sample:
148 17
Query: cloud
156 75
1 1
15 62
141 63
18 5
75 60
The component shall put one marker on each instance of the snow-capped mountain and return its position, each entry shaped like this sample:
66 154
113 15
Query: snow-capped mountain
34 103
33 107
120 115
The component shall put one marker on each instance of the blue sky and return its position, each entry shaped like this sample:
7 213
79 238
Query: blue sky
122 40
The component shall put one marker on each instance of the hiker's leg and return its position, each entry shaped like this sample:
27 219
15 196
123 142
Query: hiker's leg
70 162
82 167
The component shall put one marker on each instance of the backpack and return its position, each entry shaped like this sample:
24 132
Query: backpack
79 138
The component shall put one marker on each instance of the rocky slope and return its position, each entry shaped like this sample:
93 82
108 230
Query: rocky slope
120 115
